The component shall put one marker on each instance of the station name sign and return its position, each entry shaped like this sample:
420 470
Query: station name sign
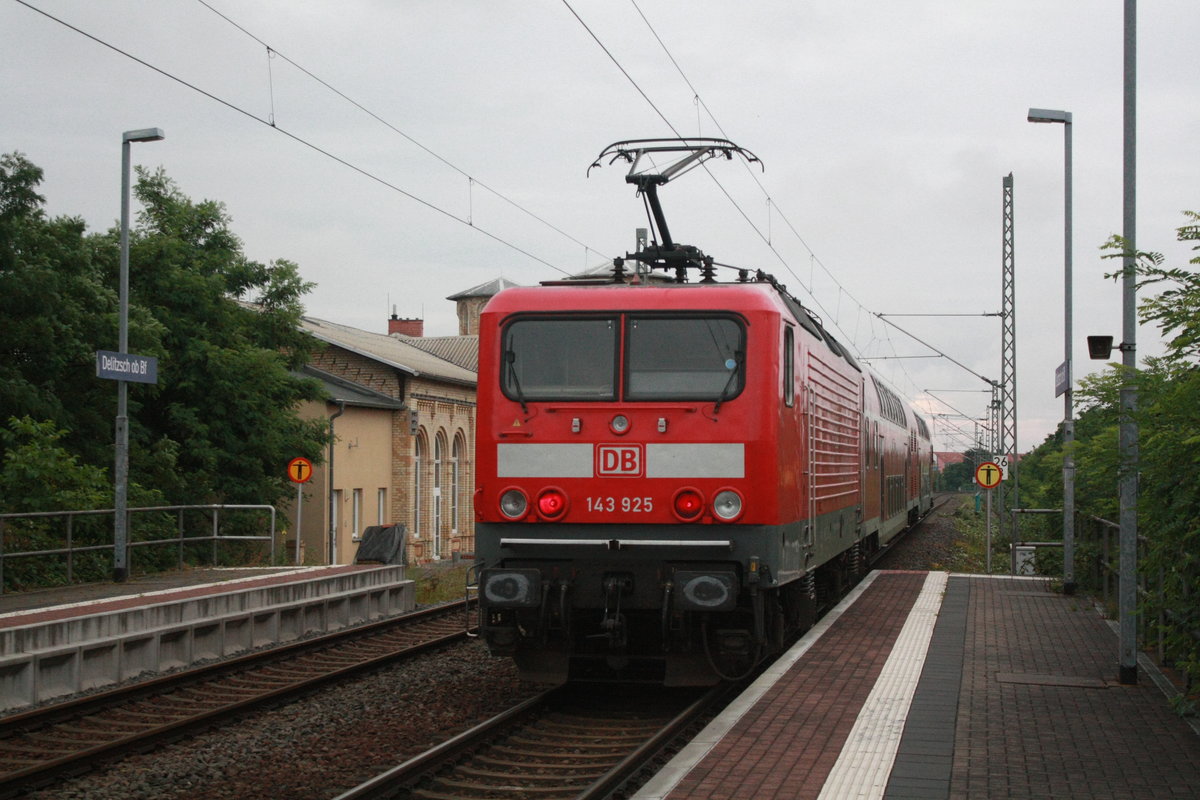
1062 379
126 367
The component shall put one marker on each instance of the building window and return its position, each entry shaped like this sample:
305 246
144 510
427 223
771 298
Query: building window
356 497
418 495
381 507
455 484
336 523
439 447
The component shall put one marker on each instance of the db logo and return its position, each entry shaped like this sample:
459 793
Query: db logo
619 459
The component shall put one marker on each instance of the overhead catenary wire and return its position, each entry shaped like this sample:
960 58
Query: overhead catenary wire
766 237
834 320
298 139
472 180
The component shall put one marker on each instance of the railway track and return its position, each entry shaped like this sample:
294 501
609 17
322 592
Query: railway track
568 742
940 500
40 746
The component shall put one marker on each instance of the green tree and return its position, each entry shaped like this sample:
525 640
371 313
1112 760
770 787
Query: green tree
39 474
225 403
56 310
961 476
1168 418
221 422
1169 443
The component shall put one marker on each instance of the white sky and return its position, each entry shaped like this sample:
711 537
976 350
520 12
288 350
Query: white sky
885 130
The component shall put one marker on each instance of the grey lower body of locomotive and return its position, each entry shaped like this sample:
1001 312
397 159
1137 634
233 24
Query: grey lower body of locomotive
676 604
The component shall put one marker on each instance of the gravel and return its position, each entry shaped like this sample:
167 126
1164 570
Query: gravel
934 545
320 746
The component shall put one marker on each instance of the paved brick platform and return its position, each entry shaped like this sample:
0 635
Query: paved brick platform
927 686
1041 713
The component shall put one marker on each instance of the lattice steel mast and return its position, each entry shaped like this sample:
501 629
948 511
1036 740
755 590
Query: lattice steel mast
1008 353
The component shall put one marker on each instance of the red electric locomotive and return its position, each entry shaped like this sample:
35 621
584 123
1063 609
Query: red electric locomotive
673 477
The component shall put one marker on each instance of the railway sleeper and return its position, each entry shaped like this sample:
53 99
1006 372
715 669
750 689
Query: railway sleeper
522 772
544 766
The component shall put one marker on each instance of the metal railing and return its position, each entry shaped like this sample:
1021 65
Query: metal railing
1103 572
70 548
1106 572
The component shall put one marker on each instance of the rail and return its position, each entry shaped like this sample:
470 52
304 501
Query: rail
52 741
70 548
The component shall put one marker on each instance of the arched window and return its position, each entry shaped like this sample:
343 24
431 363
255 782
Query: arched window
456 457
418 485
439 454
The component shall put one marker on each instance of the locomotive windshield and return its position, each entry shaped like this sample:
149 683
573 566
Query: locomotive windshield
666 358
683 358
560 359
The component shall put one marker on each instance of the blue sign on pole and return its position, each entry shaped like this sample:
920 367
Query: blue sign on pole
126 367
1062 379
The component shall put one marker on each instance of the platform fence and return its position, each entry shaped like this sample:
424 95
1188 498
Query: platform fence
52 548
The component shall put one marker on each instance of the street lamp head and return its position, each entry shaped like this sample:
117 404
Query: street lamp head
143 135
1049 115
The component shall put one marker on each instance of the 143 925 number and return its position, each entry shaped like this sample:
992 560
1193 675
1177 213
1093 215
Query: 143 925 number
627 505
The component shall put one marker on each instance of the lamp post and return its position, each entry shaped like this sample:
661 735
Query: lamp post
1064 117
121 521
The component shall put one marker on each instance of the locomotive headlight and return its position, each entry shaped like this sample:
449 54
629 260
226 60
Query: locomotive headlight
619 424
552 503
727 505
514 504
511 588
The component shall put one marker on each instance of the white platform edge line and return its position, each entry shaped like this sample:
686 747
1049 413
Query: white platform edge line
665 781
1001 577
865 763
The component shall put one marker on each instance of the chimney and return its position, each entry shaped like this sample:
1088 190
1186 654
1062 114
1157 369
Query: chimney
408 327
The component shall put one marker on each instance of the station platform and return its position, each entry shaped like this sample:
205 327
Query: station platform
62 641
929 685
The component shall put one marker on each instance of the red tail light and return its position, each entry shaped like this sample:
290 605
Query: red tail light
552 503
688 504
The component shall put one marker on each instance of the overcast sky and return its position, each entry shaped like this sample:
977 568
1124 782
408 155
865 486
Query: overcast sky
885 130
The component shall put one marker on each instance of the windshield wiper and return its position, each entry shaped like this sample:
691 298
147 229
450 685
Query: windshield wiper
733 373
510 357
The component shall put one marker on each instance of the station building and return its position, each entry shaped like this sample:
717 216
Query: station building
402 409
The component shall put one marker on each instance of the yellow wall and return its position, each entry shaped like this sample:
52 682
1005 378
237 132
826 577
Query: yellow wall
362 459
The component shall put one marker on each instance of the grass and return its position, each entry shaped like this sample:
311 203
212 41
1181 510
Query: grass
971 544
439 583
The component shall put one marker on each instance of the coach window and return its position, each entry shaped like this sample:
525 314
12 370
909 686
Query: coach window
560 359
684 358
789 361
